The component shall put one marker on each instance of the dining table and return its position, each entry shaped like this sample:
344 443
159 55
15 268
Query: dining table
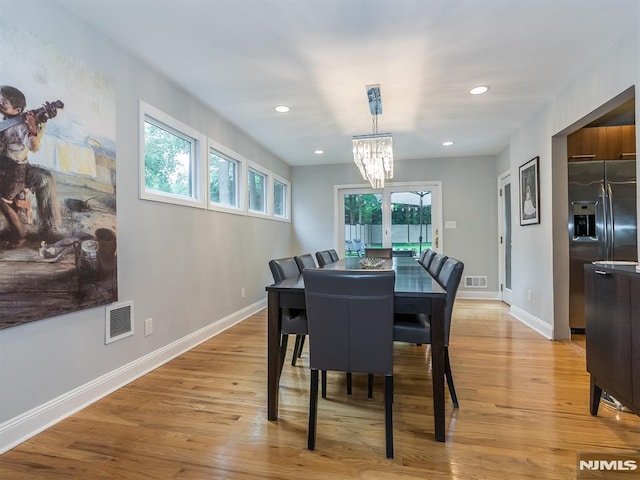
415 291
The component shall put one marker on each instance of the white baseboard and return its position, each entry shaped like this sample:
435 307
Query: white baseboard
24 426
543 328
473 295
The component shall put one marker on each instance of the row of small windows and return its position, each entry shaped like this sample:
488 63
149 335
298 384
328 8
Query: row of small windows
173 171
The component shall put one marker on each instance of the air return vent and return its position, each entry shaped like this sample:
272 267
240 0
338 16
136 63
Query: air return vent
119 321
475 281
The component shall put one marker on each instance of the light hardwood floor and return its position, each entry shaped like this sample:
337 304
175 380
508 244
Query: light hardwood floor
523 414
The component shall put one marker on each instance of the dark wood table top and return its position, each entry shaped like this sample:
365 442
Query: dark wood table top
411 277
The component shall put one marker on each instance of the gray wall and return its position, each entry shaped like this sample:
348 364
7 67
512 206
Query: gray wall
468 197
182 266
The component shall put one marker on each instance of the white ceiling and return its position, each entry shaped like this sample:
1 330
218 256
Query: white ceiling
243 57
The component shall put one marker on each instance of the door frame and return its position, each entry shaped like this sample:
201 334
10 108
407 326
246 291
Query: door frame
505 294
435 186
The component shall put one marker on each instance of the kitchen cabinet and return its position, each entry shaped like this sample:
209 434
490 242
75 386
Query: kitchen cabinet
602 143
613 334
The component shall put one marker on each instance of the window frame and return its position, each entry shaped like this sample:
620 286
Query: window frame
150 114
241 180
267 175
287 198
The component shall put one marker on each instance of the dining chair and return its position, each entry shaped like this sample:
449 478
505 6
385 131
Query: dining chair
416 328
437 262
427 258
377 252
294 321
323 257
334 255
350 315
302 261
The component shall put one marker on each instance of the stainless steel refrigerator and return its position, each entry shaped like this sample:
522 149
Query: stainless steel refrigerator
602 222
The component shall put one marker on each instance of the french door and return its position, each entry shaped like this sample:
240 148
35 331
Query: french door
403 216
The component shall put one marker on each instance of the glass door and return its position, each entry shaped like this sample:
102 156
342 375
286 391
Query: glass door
405 217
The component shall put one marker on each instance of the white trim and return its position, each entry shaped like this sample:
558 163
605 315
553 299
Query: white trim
474 295
201 182
536 324
24 426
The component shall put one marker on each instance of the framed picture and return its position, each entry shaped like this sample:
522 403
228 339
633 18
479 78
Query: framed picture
530 192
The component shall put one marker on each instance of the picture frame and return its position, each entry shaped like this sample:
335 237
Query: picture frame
530 192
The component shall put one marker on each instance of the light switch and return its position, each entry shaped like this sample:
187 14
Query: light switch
450 224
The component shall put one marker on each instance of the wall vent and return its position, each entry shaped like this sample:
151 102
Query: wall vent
475 281
119 321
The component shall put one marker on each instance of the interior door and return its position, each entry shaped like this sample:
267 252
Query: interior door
505 233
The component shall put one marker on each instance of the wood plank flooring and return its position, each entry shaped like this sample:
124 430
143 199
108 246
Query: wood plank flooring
523 414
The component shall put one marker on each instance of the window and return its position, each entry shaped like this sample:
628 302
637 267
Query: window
170 159
257 189
280 198
223 179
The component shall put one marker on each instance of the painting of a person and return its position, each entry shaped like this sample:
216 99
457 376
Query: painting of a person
17 174
529 208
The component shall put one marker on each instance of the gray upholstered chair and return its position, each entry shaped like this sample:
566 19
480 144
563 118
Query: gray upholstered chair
427 258
294 321
416 328
334 255
377 252
323 257
305 261
436 264
350 315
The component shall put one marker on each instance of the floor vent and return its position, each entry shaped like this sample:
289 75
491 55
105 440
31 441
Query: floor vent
475 281
119 321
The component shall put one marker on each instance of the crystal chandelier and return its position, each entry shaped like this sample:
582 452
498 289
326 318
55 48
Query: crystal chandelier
373 154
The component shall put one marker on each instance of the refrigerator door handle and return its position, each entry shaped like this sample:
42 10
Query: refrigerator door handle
611 242
605 221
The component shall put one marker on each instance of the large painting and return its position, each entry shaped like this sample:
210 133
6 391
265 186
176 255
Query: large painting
58 229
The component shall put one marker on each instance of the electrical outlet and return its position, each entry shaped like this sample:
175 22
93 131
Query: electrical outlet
148 327
243 293
529 295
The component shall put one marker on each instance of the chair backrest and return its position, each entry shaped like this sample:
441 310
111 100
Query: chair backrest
334 255
377 252
436 264
449 277
350 318
428 258
323 258
282 268
305 261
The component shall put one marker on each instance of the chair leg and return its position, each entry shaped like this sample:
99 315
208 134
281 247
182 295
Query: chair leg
284 340
313 410
370 386
349 383
295 349
449 376
388 413
302 337
324 383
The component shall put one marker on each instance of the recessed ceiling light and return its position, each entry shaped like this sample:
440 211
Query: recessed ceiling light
448 143
281 109
479 90
318 152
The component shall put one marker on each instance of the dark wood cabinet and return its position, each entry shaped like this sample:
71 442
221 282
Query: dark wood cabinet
612 300
602 143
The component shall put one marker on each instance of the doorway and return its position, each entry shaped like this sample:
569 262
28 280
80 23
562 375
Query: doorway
505 240
404 216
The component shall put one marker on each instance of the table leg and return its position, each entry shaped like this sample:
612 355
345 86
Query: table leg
437 366
273 354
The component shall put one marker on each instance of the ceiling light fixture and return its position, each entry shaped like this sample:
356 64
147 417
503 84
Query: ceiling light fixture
318 152
479 90
281 109
448 143
373 154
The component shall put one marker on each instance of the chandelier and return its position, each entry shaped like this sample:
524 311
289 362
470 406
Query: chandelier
373 154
